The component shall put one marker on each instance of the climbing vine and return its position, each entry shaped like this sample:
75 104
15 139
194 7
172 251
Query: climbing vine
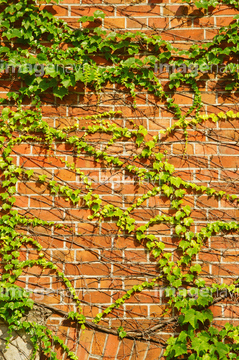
47 56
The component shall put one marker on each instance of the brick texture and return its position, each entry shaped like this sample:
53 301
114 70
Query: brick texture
101 263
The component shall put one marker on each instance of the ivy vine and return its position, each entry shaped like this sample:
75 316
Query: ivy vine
25 31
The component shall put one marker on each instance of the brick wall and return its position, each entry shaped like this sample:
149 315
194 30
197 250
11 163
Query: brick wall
101 263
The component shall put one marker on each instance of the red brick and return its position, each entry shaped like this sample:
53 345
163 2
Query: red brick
114 23
136 310
56 10
209 256
225 161
158 23
226 10
154 352
175 10
41 161
229 149
125 349
139 351
206 201
85 256
216 310
136 255
210 34
93 269
205 21
141 10
48 215
53 111
98 344
22 149
180 22
136 23
231 311
84 344
65 175
224 21
32 188
42 150
224 270
41 201
111 347
89 11
197 34
21 201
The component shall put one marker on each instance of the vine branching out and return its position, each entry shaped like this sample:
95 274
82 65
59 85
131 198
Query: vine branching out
38 43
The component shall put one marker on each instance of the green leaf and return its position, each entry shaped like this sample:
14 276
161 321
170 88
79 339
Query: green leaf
122 332
196 268
169 167
222 349
188 277
179 214
167 190
6 206
180 229
176 283
204 299
190 316
184 244
205 315
60 92
200 344
176 181
99 14
180 349
187 210
156 252
42 178
230 86
16 254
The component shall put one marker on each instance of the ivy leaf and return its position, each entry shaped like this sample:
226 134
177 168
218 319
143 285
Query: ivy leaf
182 336
156 252
222 349
188 277
180 349
60 92
190 316
196 268
167 190
179 215
204 300
187 210
16 254
192 251
176 181
13 33
180 229
176 271
4 49
42 178
184 244
230 86
200 345
205 315
122 333
176 283
99 14
6 207
169 167
68 82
